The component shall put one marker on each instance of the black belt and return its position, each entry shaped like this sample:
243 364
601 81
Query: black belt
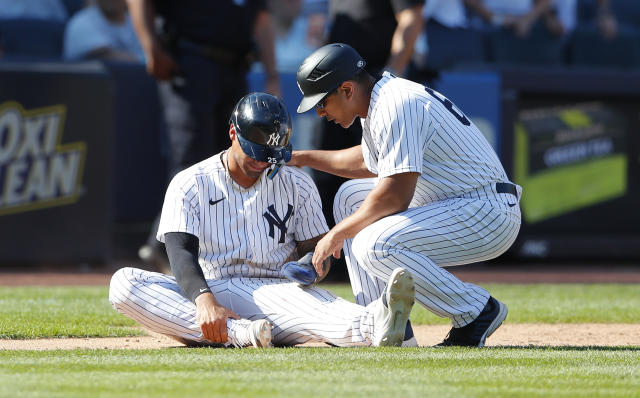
506 187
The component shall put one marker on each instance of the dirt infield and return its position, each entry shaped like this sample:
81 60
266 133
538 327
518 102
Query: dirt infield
520 335
582 335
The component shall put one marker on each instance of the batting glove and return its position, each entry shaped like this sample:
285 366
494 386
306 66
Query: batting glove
301 271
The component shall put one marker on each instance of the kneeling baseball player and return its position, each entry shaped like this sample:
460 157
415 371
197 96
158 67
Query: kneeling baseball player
230 224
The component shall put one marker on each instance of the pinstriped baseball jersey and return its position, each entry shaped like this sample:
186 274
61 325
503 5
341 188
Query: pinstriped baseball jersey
458 213
242 232
245 235
412 128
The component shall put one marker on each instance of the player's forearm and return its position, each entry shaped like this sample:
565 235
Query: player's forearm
392 195
308 245
372 209
347 163
410 24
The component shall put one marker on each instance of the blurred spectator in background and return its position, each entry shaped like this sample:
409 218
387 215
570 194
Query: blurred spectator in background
299 30
447 14
50 10
517 15
200 52
294 39
606 20
317 13
562 18
102 31
32 30
384 33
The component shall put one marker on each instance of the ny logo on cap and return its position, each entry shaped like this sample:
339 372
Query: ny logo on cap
360 64
273 139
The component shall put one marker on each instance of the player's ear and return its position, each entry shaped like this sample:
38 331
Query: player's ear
232 132
347 87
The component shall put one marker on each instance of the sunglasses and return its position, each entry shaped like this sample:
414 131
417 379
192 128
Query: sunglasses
323 102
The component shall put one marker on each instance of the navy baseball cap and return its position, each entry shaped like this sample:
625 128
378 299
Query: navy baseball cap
324 70
263 128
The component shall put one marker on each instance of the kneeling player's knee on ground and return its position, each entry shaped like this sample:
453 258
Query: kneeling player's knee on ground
118 288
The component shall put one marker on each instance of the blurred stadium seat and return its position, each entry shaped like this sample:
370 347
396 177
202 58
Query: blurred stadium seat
24 38
73 6
627 12
449 47
589 48
586 10
538 48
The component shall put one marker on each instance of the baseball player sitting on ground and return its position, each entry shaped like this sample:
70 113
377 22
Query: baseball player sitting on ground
428 190
229 224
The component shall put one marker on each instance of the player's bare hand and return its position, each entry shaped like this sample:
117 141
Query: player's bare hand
296 159
160 64
330 244
212 318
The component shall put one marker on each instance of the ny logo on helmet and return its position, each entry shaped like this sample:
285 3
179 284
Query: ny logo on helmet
273 139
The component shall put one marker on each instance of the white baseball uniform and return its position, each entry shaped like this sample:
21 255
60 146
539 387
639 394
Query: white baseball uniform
456 215
245 235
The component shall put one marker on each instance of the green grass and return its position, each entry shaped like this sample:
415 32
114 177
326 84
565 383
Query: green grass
550 303
33 312
322 372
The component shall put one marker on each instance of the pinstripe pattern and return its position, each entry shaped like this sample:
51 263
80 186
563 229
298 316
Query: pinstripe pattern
154 300
299 315
365 286
409 130
234 233
455 216
245 236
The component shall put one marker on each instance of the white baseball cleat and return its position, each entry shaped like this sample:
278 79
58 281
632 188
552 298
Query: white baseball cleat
260 333
393 309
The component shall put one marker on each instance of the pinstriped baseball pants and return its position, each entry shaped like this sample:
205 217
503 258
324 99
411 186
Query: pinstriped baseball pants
423 240
299 315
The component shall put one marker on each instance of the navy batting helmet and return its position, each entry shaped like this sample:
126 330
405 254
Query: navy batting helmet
263 128
324 70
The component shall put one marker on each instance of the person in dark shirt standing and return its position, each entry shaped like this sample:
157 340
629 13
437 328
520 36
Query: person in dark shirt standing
200 52
382 31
